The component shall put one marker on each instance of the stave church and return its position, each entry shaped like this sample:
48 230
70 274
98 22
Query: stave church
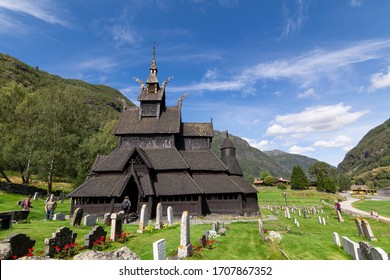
160 159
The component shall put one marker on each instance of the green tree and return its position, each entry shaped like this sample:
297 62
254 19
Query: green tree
264 174
344 182
268 181
299 179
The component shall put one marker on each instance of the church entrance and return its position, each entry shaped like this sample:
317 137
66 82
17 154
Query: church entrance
132 192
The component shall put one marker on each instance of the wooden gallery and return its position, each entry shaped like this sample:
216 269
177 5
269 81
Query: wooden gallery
159 158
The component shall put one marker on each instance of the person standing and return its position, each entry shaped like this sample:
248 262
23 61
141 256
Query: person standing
126 205
338 206
50 206
26 204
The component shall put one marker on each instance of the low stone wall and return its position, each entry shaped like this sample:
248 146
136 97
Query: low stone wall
21 189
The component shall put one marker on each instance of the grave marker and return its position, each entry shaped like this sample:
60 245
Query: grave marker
97 233
367 230
60 238
170 215
90 220
159 250
336 239
16 245
159 217
59 216
77 216
185 244
116 226
144 219
339 217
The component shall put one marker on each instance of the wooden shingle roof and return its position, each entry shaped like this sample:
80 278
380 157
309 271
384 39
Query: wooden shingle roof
242 184
166 159
216 183
233 165
168 123
197 129
115 161
203 160
178 183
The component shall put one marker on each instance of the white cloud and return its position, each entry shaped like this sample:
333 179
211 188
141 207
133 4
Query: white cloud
381 79
46 10
314 119
339 141
103 64
309 93
294 21
300 150
356 3
262 145
124 35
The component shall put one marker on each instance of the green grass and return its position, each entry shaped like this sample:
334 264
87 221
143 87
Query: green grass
382 207
310 241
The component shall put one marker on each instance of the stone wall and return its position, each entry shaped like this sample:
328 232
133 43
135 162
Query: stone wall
21 189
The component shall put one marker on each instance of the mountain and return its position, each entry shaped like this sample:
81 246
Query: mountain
369 161
104 99
253 161
287 161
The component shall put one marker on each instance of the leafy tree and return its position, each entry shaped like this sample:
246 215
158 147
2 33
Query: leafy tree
325 183
264 174
343 181
269 180
299 179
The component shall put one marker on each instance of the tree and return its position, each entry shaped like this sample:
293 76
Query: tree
299 179
268 181
344 182
264 174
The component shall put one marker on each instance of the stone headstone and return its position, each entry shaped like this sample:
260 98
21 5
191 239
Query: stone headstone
339 216
21 215
36 196
89 220
60 238
215 227
358 223
299 212
159 217
319 219
323 221
287 213
185 247
107 219
379 254
18 245
336 239
365 249
351 248
159 250
97 233
144 219
367 230
202 242
170 215
77 216
261 230
297 224
6 220
59 216
116 226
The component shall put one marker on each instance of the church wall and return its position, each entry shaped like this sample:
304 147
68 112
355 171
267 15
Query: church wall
147 142
193 143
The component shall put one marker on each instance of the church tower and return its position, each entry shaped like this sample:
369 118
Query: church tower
228 156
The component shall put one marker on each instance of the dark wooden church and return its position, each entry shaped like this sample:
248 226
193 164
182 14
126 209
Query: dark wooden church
161 159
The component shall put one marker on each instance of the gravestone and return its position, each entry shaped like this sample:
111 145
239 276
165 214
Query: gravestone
60 238
365 249
6 220
336 239
170 215
339 217
319 219
97 233
36 196
297 224
261 230
287 213
202 242
323 221
358 223
59 217
144 219
367 230
90 220
352 248
185 244
107 219
299 212
18 245
116 226
21 215
159 250
159 217
379 254
77 216
215 227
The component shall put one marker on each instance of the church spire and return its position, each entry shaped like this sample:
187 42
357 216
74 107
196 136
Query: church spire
152 79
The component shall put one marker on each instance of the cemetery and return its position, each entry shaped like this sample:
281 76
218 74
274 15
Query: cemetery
307 229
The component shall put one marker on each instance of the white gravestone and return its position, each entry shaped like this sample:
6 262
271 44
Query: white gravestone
170 215
185 244
159 250
336 239
144 219
159 216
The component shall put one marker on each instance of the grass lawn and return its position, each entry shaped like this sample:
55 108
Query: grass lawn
310 241
382 207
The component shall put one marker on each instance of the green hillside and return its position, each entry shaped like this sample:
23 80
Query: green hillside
368 162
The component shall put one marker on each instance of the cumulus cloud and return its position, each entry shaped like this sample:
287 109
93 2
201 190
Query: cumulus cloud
314 119
381 79
339 141
262 145
300 150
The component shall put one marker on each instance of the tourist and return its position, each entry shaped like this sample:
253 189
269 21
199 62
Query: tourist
26 204
50 206
338 206
126 205
374 213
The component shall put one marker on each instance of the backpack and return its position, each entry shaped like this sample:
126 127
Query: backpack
125 204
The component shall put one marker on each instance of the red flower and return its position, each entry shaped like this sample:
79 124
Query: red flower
57 248
15 257
30 250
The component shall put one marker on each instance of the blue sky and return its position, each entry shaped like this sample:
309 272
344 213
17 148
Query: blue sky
303 76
